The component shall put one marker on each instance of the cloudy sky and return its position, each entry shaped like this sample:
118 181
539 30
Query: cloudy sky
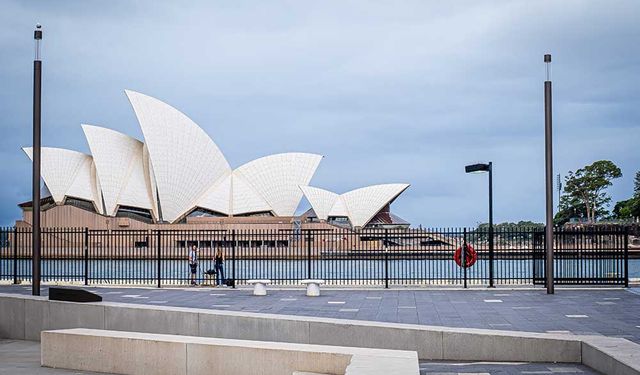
388 91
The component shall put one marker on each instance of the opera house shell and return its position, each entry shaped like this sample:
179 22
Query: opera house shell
179 170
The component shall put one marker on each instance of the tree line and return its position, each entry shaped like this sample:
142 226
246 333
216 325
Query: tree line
585 197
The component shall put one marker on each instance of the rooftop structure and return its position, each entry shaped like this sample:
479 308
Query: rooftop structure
359 206
179 172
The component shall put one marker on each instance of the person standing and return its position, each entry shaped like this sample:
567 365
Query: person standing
193 263
219 267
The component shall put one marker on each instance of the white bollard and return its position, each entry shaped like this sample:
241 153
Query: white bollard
313 290
259 286
313 287
259 290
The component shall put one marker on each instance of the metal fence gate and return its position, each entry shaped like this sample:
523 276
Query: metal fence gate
599 257
338 256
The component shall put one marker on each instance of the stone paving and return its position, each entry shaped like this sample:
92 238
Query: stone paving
23 357
601 311
497 368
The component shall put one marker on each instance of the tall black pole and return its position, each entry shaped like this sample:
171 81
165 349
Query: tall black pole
35 241
491 256
559 183
548 152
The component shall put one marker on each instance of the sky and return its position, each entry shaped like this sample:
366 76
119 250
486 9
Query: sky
387 91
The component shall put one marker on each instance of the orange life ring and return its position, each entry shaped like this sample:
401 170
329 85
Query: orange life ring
470 256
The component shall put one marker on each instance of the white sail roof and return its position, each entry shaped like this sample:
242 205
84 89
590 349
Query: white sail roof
186 162
218 197
321 200
339 208
68 173
137 192
119 164
86 185
150 179
359 205
245 198
362 204
179 168
277 177
235 195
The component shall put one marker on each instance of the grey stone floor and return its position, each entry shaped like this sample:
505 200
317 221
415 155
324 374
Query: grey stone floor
497 368
610 312
23 357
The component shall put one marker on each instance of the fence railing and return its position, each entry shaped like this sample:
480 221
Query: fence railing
339 256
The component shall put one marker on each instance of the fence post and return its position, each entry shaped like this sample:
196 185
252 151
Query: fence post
463 256
533 257
86 256
309 254
158 239
386 258
15 255
626 257
233 257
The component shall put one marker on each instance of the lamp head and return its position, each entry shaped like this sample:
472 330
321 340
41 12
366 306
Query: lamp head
547 64
478 168
37 33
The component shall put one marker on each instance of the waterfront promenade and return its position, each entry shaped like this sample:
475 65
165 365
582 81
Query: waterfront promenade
601 311
571 311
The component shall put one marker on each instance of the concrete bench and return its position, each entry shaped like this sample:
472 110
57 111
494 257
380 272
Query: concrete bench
313 287
126 353
259 286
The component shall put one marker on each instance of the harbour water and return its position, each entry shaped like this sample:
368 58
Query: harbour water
341 271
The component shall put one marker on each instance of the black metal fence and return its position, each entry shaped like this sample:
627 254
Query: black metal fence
338 256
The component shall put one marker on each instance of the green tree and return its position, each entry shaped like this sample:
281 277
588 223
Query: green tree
630 208
505 232
622 209
571 208
564 215
521 225
585 189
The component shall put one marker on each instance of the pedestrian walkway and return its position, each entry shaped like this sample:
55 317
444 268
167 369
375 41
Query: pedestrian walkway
498 368
611 312
23 358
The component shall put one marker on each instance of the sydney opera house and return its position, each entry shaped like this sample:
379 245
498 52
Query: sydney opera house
179 177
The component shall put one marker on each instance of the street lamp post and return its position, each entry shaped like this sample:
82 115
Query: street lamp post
548 157
35 194
479 168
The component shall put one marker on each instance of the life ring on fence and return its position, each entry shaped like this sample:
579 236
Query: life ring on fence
470 256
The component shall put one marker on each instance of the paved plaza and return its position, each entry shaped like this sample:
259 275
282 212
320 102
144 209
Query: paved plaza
23 358
601 311
497 368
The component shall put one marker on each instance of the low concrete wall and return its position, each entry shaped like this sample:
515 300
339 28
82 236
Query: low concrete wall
23 317
147 353
611 356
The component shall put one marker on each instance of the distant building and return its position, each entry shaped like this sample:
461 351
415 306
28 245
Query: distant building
179 176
